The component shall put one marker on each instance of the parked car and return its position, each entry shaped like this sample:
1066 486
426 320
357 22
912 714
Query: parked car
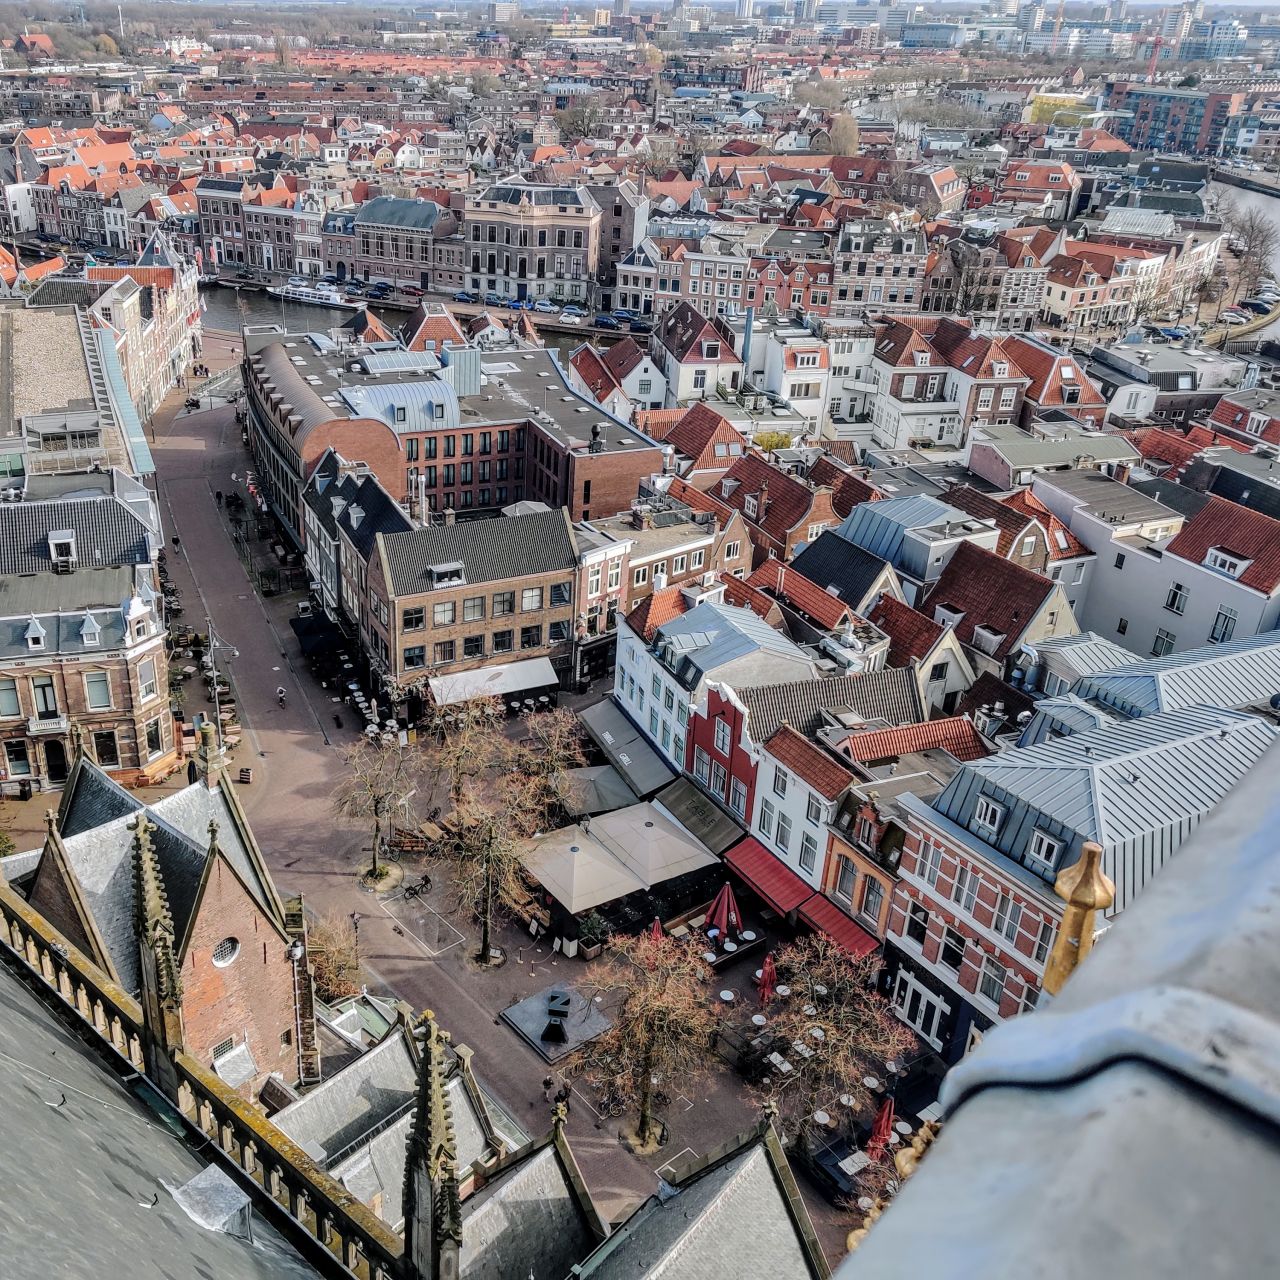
463 296
640 326
545 307
622 313
519 304
1234 319
411 291
492 300
607 322
329 279
1256 305
355 289
573 311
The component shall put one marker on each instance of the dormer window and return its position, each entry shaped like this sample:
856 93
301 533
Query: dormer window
711 351
1225 561
400 413
1000 370
1257 423
750 506
35 635
447 575
90 632
1044 848
62 546
987 817
922 359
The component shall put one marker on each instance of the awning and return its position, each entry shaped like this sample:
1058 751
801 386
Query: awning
625 746
579 872
821 913
772 879
494 682
315 634
595 789
699 814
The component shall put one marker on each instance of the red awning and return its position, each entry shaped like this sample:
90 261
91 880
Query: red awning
822 913
775 882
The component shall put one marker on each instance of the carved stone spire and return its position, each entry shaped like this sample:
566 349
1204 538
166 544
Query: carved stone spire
209 758
160 974
432 1204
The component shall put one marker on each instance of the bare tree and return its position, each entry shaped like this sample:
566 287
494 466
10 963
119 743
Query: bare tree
663 1025
334 956
847 1027
845 135
378 779
1256 239
500 793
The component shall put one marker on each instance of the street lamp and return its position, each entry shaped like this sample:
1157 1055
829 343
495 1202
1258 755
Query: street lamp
216 643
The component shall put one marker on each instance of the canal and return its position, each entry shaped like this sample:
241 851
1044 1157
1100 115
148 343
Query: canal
230 310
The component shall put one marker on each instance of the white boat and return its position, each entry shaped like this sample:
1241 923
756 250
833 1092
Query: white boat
319 295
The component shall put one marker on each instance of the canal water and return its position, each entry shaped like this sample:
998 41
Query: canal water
230 310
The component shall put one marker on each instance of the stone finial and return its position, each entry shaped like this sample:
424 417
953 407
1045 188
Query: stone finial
1086 889
77 740
213 835
155 920
51 821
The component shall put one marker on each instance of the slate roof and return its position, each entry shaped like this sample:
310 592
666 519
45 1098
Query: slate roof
532 1211
738 1215
911 633
1236 529
489 550
833 561
889 695
990 592
1236 674
107 533
93 824
809 762
735 644
394 211
102 1135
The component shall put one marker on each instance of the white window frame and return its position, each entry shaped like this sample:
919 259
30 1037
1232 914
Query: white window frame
780 780
988 814
148 687
1043 847
722 737
1007 917
988 974
808 846
98 676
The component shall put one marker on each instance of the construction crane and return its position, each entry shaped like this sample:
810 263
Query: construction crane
1057 25
1156 45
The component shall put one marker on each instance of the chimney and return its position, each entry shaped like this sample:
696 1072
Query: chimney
448 516
764 497
1121 472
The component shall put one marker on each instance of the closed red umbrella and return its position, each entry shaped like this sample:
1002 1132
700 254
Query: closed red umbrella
768 979
880 1131
724 914
655 931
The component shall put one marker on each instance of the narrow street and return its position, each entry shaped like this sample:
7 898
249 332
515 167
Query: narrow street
423 955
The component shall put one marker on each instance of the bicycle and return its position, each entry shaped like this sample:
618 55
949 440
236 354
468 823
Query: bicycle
417 890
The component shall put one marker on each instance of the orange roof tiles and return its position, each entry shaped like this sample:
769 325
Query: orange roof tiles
809 763
656 611
802 593
911 633
1238 531
954 734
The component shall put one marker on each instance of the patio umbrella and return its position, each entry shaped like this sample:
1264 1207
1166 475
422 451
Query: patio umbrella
768 979
880 1131
655 931
724 914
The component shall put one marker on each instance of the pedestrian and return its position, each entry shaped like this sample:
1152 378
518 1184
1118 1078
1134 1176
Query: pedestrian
563 1095
217 497
549 1089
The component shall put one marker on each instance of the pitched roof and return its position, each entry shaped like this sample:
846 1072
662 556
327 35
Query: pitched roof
789 499
911 633
890 695
847 489
1050 371
834 562
488 550
657 610
989 592
430 326
1008 520
622 357
1063 544
954 734
809 762
106 532
682 328
787 583
1239 531
708 439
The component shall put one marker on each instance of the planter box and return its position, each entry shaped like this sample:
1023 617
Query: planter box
589 950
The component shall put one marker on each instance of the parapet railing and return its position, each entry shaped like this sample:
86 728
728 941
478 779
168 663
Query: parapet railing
306 1199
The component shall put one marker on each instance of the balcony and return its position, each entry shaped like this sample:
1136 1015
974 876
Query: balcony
56 723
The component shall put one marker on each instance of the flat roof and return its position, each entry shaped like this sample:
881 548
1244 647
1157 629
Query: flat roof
1108 498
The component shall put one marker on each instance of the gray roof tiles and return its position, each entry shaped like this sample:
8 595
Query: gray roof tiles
835 562
889 695
489 550
107 533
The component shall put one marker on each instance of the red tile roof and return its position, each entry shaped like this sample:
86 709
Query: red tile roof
1232 413
622 357
1171 448
697 434
1237 531
1063 544
955 734
745 596
789 499
683 491
847 490
990 592
784 583
429 325
1008 520
595 374
809 763
1044 366
656 611
656 423
911 633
